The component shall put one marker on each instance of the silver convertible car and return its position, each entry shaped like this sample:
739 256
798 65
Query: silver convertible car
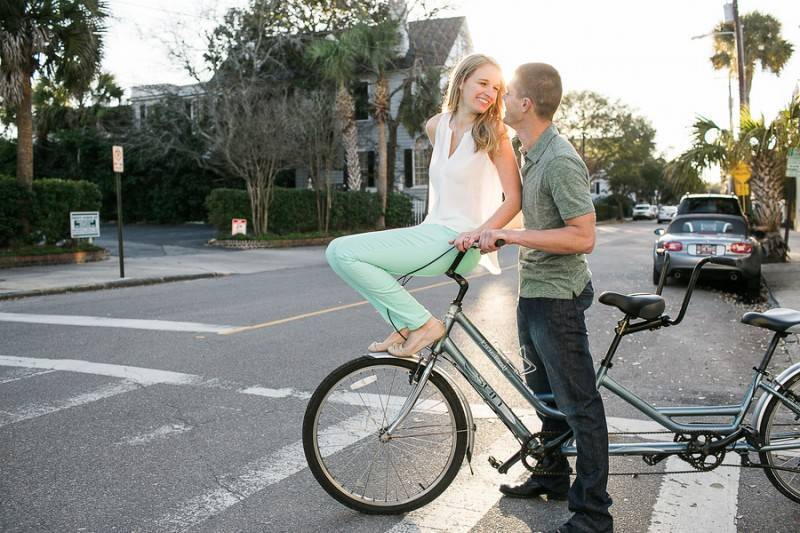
689 238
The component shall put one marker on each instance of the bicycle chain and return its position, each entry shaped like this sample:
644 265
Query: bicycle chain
544 472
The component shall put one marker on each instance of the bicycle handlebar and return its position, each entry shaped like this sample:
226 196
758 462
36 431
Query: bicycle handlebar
451 272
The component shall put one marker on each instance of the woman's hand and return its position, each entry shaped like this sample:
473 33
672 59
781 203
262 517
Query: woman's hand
464 240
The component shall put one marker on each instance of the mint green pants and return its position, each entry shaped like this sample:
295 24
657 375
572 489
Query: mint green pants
371 262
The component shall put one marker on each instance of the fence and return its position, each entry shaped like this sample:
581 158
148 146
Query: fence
418 206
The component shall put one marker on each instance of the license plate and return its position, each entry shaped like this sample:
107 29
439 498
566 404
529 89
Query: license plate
706 249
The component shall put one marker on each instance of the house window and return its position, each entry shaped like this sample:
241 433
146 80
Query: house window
367 162
361 97
408 168
422 159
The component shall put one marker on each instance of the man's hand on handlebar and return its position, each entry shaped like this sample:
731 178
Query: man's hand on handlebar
491 239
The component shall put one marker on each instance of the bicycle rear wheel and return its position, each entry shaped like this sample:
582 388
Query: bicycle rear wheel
780 426
341 431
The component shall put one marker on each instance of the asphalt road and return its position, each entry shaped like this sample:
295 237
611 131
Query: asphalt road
148 419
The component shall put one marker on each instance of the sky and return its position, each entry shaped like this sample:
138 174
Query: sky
638 52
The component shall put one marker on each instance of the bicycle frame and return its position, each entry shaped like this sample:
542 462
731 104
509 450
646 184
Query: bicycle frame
731 434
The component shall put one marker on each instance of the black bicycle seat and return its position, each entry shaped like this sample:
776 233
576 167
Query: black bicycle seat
778 319
639 304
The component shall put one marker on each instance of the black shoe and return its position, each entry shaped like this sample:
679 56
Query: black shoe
533 488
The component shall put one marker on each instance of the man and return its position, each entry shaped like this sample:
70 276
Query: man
555 290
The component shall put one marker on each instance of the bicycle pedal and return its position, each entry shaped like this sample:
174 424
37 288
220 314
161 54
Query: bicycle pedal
654 459
494 463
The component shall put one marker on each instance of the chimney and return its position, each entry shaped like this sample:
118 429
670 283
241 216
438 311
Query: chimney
399 12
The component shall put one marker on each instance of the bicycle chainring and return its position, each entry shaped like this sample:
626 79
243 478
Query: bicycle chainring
695 456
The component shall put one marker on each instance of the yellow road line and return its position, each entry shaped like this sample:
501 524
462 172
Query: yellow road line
232 331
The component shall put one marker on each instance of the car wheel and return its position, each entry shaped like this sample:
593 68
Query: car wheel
657 276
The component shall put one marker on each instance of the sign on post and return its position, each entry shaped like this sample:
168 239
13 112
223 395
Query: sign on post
793 163
118 165
117 158
84 224
239 225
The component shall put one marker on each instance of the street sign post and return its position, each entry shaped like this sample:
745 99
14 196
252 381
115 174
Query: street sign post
84 224
793 163
741 182
239 225
118 165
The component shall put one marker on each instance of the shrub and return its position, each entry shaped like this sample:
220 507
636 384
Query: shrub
294 210
53 199
16 202
399 211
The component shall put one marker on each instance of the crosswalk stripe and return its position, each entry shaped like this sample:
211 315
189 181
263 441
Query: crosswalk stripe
105 322
23 373
467 500
35 410
704 502
136 374
258 475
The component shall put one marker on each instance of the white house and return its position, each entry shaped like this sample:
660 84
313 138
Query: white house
434 42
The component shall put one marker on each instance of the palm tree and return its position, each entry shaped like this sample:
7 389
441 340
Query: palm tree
377 44
337 60
62 40
762 43
763 149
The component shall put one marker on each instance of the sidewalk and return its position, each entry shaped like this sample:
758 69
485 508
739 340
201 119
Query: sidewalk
178 264
783 279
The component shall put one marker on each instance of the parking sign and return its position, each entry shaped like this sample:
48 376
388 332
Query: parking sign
117 158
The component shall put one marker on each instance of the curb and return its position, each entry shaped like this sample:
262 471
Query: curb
70 258
771 300
277 243
118 284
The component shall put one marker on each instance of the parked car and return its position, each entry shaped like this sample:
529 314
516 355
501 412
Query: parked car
723 204
666 213
644 211
689 238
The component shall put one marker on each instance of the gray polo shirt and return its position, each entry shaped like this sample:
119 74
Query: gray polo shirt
555 188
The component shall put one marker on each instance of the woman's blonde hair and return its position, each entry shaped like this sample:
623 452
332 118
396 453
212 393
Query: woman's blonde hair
487 131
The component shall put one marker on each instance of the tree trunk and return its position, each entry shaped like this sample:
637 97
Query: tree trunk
346 111
391 153
381 111
25 136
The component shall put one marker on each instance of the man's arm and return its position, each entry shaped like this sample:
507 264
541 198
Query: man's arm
577 237
569 187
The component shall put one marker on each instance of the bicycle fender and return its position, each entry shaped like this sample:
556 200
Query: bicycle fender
461 398
782 378
467 412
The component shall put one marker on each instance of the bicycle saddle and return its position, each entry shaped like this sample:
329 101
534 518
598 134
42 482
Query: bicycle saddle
639 304
778 319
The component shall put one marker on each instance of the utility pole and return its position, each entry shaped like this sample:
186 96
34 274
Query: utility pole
739 36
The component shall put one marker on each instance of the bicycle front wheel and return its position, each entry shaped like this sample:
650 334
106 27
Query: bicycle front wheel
780 426
342 428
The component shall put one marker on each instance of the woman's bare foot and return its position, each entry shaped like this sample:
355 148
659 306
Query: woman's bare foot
430 332
393 338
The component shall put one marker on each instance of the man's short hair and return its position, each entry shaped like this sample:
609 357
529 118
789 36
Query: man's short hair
541 83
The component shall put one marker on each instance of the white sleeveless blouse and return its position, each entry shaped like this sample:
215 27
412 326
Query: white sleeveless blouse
465 188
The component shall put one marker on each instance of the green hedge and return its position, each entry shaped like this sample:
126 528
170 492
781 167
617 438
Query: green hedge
607 209
294 210
47 208
16 202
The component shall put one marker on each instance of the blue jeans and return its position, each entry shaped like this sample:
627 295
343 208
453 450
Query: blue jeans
553 336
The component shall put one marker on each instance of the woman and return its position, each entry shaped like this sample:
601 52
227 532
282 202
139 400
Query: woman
472 167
